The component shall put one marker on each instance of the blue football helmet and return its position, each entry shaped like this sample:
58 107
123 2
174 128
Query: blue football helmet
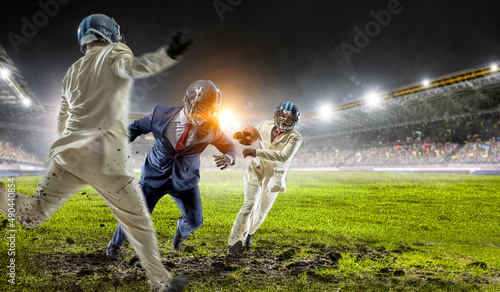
99 27
286 116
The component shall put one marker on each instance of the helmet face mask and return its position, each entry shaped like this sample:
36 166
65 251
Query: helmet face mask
204 117
284 120
203 103
286 116
98 27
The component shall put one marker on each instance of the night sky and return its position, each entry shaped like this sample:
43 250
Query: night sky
263 52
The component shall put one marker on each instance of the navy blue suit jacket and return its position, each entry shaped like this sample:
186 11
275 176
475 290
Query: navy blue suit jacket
163 161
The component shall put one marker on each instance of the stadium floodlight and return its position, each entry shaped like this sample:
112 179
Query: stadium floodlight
494 67
4 73
325 112
426 82
25 101
373 98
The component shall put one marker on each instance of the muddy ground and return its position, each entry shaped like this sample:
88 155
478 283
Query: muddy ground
258 264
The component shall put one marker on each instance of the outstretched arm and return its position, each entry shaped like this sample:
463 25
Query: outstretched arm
140 127
125 65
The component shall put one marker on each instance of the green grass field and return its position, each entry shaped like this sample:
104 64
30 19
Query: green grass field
331 231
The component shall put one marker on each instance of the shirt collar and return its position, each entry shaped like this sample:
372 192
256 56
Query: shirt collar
182 118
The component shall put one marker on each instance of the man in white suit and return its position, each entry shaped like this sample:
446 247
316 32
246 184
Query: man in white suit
265 176
93 140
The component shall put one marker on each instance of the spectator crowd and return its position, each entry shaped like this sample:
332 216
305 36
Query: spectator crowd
457 141
465 140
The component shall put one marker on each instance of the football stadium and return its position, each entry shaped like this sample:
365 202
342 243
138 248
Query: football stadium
393 190
437 143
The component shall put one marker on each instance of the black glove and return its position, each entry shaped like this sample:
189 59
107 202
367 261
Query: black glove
222 161
249 152
177 44
241 137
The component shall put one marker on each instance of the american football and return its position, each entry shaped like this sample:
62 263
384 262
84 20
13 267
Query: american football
251 134
247 136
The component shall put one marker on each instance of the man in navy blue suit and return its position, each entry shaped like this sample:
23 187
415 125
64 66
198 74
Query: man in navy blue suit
173 164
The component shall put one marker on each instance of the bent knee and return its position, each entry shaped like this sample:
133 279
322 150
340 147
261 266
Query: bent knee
247 207
196 223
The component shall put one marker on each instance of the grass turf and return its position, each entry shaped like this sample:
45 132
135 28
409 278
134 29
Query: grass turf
330 231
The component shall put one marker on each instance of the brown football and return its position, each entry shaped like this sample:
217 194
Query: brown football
254 135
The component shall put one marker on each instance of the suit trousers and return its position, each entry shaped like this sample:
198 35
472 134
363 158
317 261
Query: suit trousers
256 206
188 202
126 203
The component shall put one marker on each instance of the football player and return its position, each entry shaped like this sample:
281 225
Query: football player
173 164
93 140
265 176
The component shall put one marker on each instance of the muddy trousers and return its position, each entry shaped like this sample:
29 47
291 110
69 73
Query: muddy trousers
126 202
256 206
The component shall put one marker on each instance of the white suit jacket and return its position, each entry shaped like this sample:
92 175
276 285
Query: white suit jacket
272 159
95 104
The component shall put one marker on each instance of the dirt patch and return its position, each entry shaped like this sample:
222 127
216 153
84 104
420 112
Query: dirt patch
128 269
257 264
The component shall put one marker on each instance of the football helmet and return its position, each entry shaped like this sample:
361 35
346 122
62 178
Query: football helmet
286 116
203 103
98 27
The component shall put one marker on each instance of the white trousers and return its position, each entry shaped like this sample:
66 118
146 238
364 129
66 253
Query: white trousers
65 175
256 206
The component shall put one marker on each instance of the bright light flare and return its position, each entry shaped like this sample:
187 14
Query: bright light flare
227 119
325 112
494 67
373 98
26 101
426 82
4 73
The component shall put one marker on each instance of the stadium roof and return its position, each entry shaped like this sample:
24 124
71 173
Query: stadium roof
465 93
469 92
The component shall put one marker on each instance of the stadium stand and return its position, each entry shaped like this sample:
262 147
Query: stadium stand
458 141
452 122
21 138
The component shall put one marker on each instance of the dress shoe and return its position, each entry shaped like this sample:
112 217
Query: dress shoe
178 239
236 248
112 251
177 285
249 241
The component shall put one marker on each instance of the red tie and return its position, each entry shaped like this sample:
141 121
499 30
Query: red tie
277 134
182 141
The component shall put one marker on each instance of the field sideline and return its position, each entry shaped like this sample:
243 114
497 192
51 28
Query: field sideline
330 231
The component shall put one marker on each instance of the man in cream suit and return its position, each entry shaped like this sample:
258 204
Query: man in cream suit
265 176
93 140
